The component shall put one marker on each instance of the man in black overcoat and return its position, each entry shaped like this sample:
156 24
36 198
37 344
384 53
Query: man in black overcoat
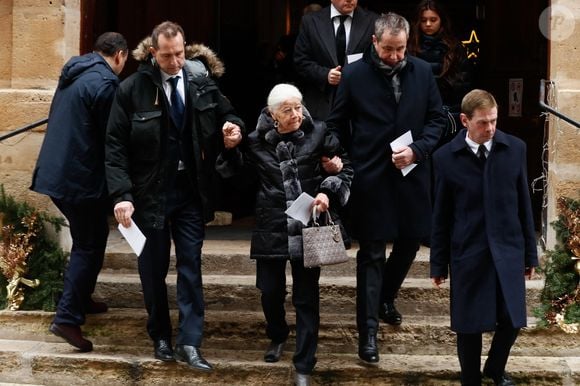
380 97
317 56
483 236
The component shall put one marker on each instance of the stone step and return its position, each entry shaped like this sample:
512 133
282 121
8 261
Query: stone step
337 293
231 257
56 364
418 335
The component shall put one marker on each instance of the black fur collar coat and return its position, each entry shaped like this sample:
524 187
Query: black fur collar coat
286 166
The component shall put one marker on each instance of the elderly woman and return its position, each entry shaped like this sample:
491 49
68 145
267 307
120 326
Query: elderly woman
286 150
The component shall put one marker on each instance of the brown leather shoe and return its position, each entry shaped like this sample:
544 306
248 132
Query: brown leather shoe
73 335
96 307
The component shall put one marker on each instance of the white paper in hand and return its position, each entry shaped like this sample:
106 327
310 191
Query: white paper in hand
134 237
404 140
301 208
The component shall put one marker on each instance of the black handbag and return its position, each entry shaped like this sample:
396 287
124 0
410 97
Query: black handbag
323 245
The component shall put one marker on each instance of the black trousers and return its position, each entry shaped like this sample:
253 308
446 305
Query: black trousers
370 261
397 266
271 280
89 230
184 224
379 281
469 349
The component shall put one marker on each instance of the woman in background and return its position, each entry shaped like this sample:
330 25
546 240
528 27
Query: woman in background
432 40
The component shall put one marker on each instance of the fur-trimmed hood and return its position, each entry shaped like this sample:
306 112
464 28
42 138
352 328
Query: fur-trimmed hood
194 52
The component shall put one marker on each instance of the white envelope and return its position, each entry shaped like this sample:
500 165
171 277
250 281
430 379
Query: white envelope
134 237
404 140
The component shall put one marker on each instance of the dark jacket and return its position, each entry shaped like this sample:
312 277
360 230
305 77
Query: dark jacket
137 160
384 204
70 165
315 55
456 82
483 232
288 165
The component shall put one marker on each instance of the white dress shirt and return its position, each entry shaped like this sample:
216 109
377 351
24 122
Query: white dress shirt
336 21
474 146
167 85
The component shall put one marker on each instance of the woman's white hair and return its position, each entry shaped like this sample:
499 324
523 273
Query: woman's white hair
280 93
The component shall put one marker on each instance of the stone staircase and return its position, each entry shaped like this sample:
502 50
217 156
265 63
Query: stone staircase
419 352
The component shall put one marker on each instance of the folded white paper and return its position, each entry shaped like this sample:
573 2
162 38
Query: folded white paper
404 140
353 57
134 237
301 208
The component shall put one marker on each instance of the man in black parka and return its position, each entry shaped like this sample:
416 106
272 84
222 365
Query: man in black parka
163 137
71 170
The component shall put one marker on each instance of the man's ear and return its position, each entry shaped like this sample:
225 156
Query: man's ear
119 57
463 119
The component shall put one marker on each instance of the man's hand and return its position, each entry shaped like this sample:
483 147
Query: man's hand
123 212
334 75
529 272
232 135
332 166
403 157
438 280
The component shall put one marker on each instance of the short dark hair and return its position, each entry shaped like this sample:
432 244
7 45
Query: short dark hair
168 29
109 43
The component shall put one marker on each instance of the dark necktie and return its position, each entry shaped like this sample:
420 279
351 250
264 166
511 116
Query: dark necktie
341 40
481 154
177 106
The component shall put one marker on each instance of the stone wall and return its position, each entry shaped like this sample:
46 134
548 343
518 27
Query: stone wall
37 37
564 139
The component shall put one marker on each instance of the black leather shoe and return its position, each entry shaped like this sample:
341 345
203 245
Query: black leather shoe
389 314
368 350
504 380
274 352
192 356
73 335
163 350
302 379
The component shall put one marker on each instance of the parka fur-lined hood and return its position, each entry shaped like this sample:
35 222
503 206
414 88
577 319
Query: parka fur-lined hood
193 52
